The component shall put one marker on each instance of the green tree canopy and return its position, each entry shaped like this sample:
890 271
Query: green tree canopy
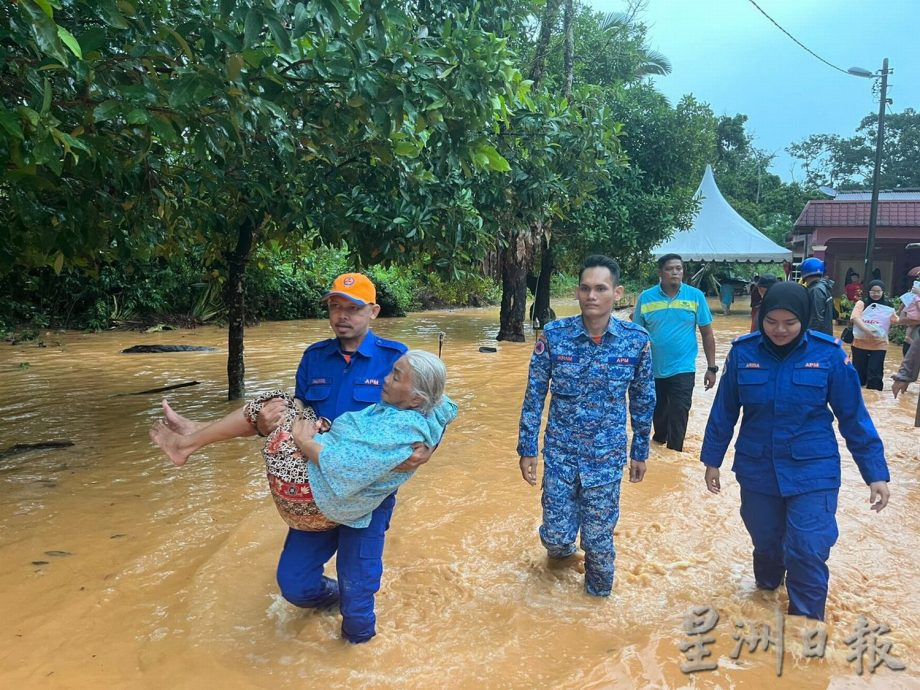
848 162
169 125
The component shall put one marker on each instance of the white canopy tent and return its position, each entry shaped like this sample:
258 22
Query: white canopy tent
718 233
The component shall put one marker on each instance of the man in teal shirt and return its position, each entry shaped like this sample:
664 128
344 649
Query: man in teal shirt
671 312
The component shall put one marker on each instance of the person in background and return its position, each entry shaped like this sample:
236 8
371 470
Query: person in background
821 293
763 284
872 318
756 297
790 384
589 363
909 371
853 287
671 312
726 296
910 317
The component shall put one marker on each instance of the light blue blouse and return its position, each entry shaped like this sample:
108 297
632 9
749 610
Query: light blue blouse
355 470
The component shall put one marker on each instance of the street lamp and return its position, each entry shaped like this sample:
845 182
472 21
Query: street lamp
879 140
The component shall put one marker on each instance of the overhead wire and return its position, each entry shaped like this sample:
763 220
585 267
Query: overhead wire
797 41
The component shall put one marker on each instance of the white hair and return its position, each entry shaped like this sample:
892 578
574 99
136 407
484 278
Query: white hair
428 378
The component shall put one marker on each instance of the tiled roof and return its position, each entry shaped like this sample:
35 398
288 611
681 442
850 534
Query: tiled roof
824 213
883 195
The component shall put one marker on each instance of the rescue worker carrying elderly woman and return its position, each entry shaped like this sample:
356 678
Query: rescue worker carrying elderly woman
790 383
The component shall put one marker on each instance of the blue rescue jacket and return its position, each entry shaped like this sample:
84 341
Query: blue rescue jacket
786 445
332 387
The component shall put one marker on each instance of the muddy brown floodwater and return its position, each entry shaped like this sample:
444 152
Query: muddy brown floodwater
120 570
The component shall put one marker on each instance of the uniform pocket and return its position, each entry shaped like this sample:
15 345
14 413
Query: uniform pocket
810 385
317 392
753 386
367 393
810 448
568 379
620 372
619 376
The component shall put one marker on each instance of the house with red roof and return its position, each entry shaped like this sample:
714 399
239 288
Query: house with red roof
835 231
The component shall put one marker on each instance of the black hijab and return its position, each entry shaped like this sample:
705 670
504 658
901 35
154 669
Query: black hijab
868 300
791 297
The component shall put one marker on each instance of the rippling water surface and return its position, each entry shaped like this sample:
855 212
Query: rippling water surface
120 570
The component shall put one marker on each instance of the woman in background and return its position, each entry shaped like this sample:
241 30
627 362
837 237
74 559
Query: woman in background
872 319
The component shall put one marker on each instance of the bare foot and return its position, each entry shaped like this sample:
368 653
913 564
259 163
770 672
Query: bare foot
176 422
170 443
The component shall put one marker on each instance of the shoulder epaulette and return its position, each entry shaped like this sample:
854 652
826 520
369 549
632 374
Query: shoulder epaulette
631 326
389 344
556 324
320 344
824 337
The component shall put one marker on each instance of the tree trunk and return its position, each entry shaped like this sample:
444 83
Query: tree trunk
491 264
542 313
550 13
568 30
516 259
236 311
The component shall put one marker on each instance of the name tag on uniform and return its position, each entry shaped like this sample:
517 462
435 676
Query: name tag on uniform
622 360
372 382
752 365
812 365
314 382
574 359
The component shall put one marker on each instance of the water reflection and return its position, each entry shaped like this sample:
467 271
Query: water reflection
121 570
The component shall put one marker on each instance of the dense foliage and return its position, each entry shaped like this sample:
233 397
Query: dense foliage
226 158
848 162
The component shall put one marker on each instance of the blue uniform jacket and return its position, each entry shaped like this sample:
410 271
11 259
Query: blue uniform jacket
586 432
332 386
786 445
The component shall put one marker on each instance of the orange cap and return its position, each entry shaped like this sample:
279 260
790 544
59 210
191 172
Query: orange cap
356 287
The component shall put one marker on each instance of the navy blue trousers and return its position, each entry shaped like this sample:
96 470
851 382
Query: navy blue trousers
359 565
793 536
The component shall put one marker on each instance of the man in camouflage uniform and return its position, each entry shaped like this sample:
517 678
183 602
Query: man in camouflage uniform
588 362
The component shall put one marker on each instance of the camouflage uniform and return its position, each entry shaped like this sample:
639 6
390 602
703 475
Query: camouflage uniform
585 441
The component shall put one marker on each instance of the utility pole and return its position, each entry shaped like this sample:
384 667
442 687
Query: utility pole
879 142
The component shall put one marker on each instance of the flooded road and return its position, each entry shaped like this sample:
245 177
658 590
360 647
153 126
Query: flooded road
121 570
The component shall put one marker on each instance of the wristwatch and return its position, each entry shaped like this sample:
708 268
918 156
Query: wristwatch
713 369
